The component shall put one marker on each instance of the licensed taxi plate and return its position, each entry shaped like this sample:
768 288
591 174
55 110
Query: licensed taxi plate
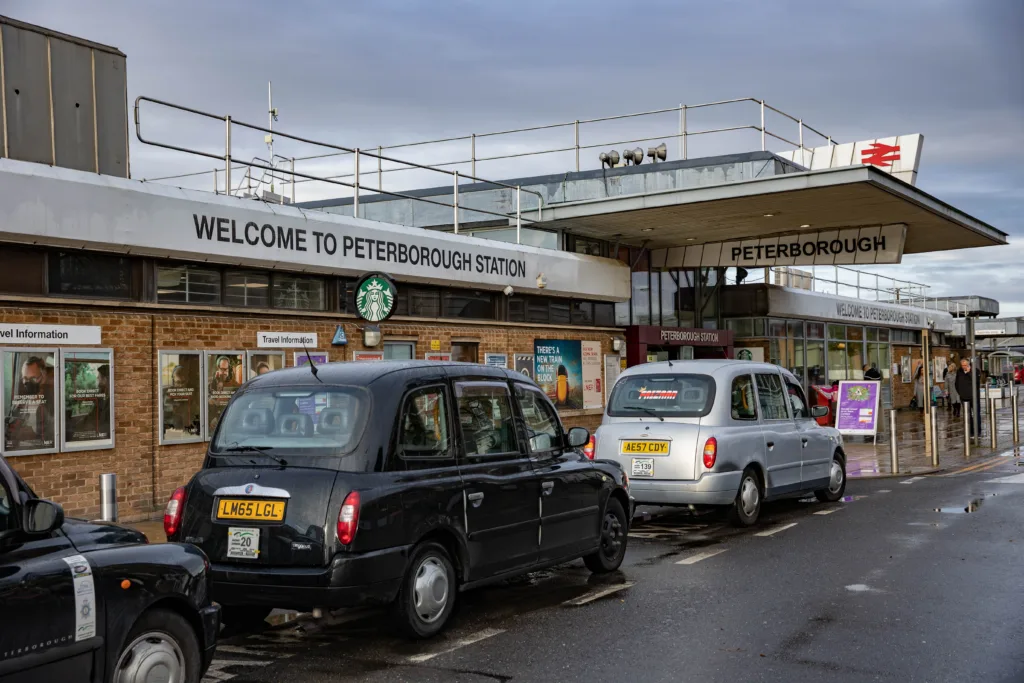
642 467
255 510
652 447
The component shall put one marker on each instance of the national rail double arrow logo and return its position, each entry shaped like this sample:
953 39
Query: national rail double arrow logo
880 154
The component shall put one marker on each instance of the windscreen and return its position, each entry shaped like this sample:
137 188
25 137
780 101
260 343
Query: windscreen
292 423
662 396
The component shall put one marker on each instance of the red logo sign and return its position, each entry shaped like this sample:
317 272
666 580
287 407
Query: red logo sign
880 154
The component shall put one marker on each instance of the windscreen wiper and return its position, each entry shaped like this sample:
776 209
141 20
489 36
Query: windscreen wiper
646 410
262 450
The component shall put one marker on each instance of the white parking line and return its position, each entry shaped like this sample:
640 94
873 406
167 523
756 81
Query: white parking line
694 559
237 650
911 480
216 673
776 530
884 491
826 512
597 595
462 642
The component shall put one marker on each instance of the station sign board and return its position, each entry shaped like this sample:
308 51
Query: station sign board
898 156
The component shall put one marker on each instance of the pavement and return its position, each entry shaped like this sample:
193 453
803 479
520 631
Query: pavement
907 579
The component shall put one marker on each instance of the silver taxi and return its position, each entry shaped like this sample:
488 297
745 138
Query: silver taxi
719 432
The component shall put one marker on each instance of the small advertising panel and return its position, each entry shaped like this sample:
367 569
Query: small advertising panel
88 390
857 408
559 371
590 352
496 360
29 401
262 362
181 374
300 359
225 372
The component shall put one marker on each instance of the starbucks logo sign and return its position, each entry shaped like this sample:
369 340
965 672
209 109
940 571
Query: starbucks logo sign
375 297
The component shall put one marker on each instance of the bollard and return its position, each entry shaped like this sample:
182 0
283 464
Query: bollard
894 459
992 422
935 437
108 497
1016 419
967 431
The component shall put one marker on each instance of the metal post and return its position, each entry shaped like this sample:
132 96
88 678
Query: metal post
762 126
935 437
380 172
800 123
472 154
926 392
967 430
227 155
108 497
455 204
894 458
975 392
355 195
519 214
576 137
1016 419
682 131
992 423
293 180
216 187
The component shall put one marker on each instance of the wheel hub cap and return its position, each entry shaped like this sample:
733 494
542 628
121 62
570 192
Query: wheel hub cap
835 481
611 535
151 658
430 590
749 496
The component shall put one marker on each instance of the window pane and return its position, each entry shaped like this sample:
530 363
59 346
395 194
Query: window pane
604 314
883 335
582 313
855 332
641 298
537 310
759 327
743 327
662 396
872 334
776 328
424 425
465 303
516 309
246 289
797 401
622 314
21 271
837 332
771 397
815 330
425 303
7 519
669 296
298 292
465 352
816 364
743 405
485 419
559 312
584 245
855 359
542 427
187 284
796 329
85 274
398 350
656 298
836 361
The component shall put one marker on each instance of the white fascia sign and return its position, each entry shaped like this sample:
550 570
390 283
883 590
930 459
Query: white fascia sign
286 340
79 335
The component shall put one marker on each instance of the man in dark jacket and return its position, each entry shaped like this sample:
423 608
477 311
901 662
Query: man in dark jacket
871 373
967 384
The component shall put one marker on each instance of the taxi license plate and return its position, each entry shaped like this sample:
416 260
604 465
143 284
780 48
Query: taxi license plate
652 447
255 510
642 467
243 543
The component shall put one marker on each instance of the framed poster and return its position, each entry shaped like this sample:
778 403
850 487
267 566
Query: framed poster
30 401
225 372
857 407
88 390
590 358
558 369
261 362
612 369
437 355
180 375
938 369
524 364
300 358
367 355
906 370
496 360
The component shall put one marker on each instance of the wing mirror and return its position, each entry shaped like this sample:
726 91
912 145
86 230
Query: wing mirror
578 437
819 411
40 517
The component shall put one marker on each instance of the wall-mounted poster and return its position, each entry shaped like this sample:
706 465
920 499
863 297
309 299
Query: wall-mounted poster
88 399
367 355
590 358
612 368
939 368
301 358
559 371
181 377
496 360
29 401
524 364
224 373
906 370
261 362
437 355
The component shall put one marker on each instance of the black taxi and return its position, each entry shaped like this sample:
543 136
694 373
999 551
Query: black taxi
393 482
91 601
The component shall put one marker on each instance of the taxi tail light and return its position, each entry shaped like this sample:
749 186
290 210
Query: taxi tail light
174 511
710 452
591 447
348 518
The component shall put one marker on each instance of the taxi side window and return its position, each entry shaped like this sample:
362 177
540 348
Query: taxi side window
485 418
744 406
542 427
771 396
8 519
796 400
424 426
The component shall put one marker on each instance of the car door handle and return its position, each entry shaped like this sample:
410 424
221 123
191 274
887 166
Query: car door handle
803 440
547 486
771 445
476 498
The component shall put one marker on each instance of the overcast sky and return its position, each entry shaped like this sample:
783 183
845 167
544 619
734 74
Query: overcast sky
384 72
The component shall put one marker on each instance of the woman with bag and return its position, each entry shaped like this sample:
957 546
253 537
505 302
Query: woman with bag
954 398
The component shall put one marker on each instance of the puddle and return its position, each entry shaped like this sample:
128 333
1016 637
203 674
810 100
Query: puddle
973 506
850 499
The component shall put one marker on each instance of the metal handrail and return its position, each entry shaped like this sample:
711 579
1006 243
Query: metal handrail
229 121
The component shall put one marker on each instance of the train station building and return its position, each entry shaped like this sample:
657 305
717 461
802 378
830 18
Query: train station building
132 311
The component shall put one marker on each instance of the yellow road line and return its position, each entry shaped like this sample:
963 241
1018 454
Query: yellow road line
977 467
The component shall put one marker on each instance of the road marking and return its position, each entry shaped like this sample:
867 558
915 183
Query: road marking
826 512
1012 479
884 491
253 652
598 594
694 559
776 530
911 480
462 642
216 673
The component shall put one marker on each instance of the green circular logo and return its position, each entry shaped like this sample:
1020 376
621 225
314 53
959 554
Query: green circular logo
375 297
744 354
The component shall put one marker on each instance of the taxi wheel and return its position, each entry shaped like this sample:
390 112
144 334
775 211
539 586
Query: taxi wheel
160 647
836 482
614 531
747 507
427 596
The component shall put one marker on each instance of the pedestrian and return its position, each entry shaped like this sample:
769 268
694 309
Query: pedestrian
919 394
872 374
954 397
967 387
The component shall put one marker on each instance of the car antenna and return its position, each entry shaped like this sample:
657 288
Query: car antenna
312 365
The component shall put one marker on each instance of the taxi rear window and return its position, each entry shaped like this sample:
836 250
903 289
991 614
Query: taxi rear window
681 395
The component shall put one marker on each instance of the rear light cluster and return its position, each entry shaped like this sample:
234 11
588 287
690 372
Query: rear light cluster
174 511
710 452
348 518
591 447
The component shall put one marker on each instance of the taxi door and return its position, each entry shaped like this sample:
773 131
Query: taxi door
48 633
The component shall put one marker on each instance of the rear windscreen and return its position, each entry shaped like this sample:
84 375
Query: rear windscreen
292 423
662 396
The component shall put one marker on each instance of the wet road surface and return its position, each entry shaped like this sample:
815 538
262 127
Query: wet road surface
914 579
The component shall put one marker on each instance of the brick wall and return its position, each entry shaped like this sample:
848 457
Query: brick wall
147 472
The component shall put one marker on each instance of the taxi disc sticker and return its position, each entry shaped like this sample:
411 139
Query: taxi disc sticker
85 597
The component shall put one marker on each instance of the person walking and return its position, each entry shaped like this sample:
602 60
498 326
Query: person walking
919 394
872 374
966 381
954 397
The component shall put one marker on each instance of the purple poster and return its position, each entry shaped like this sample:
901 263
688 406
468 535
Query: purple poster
857 408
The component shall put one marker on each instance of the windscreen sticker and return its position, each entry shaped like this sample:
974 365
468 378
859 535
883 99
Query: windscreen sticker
669 394
85 597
